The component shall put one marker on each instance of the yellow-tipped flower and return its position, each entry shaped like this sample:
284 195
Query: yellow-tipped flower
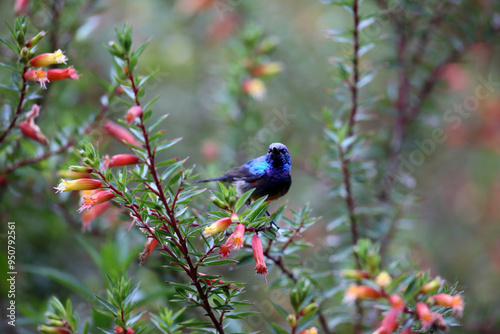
217 227
355 292
268 69
78 184
255 88
46 59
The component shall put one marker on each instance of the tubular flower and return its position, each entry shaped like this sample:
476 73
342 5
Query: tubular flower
217 227
454 302
424 314
312 330
68 174
397 303
19 6
93 213
45 59
44 329
267 69
389 323
38 75
120 133
151 243
98 198
235 241
133 113
30 129
120 160
255 88
407 331
355 292
55 74
354 273
258 254
78 184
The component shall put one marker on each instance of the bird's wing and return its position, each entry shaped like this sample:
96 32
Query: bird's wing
249 172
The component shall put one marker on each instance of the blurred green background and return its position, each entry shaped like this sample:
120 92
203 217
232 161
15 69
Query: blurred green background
454 230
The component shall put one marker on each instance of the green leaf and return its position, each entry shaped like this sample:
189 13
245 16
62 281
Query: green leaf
278 330
107 305
243 199
280 309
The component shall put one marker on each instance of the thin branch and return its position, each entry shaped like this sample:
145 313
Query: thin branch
19 108
355 70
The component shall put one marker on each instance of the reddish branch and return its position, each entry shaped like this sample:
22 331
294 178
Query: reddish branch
191 269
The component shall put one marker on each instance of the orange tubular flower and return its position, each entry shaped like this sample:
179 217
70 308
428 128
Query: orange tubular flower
55 74
217 227
98 198
424 314
454 302
45 59
93 213
133 113
120 160
258 254
235 241
389 323
120 133
355 292
78 184
38 75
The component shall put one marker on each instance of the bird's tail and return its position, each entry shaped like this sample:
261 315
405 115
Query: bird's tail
218 178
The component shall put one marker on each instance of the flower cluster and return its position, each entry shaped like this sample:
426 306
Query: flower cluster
236 241
95 200
401 312
43 76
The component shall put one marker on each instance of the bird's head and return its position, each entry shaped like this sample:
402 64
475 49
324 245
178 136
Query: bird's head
278 156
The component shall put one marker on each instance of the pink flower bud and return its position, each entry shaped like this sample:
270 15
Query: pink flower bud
133 113
424 314
120 160
120 133
454 302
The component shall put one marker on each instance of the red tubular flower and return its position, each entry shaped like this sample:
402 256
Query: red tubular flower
397 303
78 184
149 246
407 331
120 160
424 314
89 201
45 59
120 330
312 330
258 254
38 75
217 227
93 213
454 302
389 323
355 292
19 6
120 133
133 113
55 74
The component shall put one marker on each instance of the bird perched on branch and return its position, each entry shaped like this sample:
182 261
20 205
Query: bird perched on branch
268 175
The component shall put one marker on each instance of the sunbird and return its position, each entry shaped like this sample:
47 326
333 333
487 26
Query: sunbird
268 174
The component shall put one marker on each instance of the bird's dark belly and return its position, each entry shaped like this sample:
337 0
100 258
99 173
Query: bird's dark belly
273 187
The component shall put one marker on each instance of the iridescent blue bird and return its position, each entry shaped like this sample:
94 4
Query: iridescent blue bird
268 175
